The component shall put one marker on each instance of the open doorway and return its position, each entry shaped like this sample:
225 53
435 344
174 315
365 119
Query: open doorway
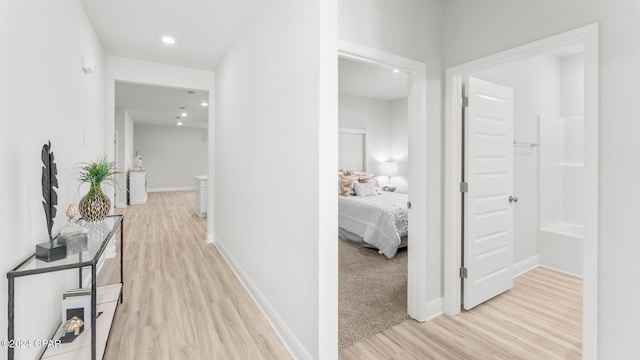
417 306
373 160
161 142
552 138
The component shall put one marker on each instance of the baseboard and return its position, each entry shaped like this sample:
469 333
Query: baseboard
561 271
289 339
178 188
433 308
525 265
209 240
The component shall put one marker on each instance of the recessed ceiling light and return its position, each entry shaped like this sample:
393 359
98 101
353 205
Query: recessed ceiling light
204 103
396 71
179 123
168 40
184 114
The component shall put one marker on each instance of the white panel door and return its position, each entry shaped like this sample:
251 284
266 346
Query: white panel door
488 209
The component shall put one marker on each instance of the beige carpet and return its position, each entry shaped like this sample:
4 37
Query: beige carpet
372 292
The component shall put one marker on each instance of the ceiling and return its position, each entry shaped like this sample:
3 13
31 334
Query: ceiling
203 29
157 105
373 81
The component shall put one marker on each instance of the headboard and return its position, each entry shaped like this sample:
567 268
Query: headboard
352 149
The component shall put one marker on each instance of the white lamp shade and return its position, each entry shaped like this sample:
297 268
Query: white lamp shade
388 168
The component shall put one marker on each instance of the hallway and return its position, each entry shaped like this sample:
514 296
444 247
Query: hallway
181 299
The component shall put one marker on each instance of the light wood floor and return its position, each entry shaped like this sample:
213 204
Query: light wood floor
181 299
540 318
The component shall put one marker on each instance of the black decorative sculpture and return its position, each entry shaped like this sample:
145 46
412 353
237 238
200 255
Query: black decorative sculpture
49 181
49 251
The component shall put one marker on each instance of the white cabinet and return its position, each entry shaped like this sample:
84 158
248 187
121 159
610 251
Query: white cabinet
201 195
137 187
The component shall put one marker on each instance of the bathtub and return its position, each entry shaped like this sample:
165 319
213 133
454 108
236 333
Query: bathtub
560 247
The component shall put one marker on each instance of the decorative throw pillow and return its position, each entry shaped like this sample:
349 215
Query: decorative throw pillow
347 184
371 178
356 173
365 189
340 175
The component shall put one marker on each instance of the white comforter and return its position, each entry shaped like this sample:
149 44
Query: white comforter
379 220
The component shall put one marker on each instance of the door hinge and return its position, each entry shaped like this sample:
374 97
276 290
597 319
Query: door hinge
463 272
464 187
409 205
464 102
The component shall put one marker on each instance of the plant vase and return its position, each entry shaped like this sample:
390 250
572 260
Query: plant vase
95 205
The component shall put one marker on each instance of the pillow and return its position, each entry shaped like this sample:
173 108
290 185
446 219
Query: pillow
356 173
347 184
365 189
372 179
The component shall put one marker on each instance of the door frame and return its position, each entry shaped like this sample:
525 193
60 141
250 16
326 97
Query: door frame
588 37
118 69
417 305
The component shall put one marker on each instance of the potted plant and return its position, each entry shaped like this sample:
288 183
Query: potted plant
95 205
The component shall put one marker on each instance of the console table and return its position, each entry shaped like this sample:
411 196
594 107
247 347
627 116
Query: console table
103 298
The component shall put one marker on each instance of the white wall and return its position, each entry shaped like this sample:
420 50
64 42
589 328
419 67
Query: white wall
124 126
572 86
536 86
275 135
128 154
373 115
399 143
171 155
44 95
386 125
513 23
413 29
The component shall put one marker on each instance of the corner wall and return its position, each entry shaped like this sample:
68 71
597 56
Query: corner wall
275 157
44 95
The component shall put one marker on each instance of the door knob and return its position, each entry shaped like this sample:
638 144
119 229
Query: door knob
513 199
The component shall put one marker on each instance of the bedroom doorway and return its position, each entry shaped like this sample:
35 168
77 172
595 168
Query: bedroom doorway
372 202
416 157
532 143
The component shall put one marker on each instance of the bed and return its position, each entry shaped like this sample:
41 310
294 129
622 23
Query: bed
379 221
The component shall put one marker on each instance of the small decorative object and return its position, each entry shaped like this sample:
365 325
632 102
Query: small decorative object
72 211
50 251
137 162
73 235
95 205
72 329
76 302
